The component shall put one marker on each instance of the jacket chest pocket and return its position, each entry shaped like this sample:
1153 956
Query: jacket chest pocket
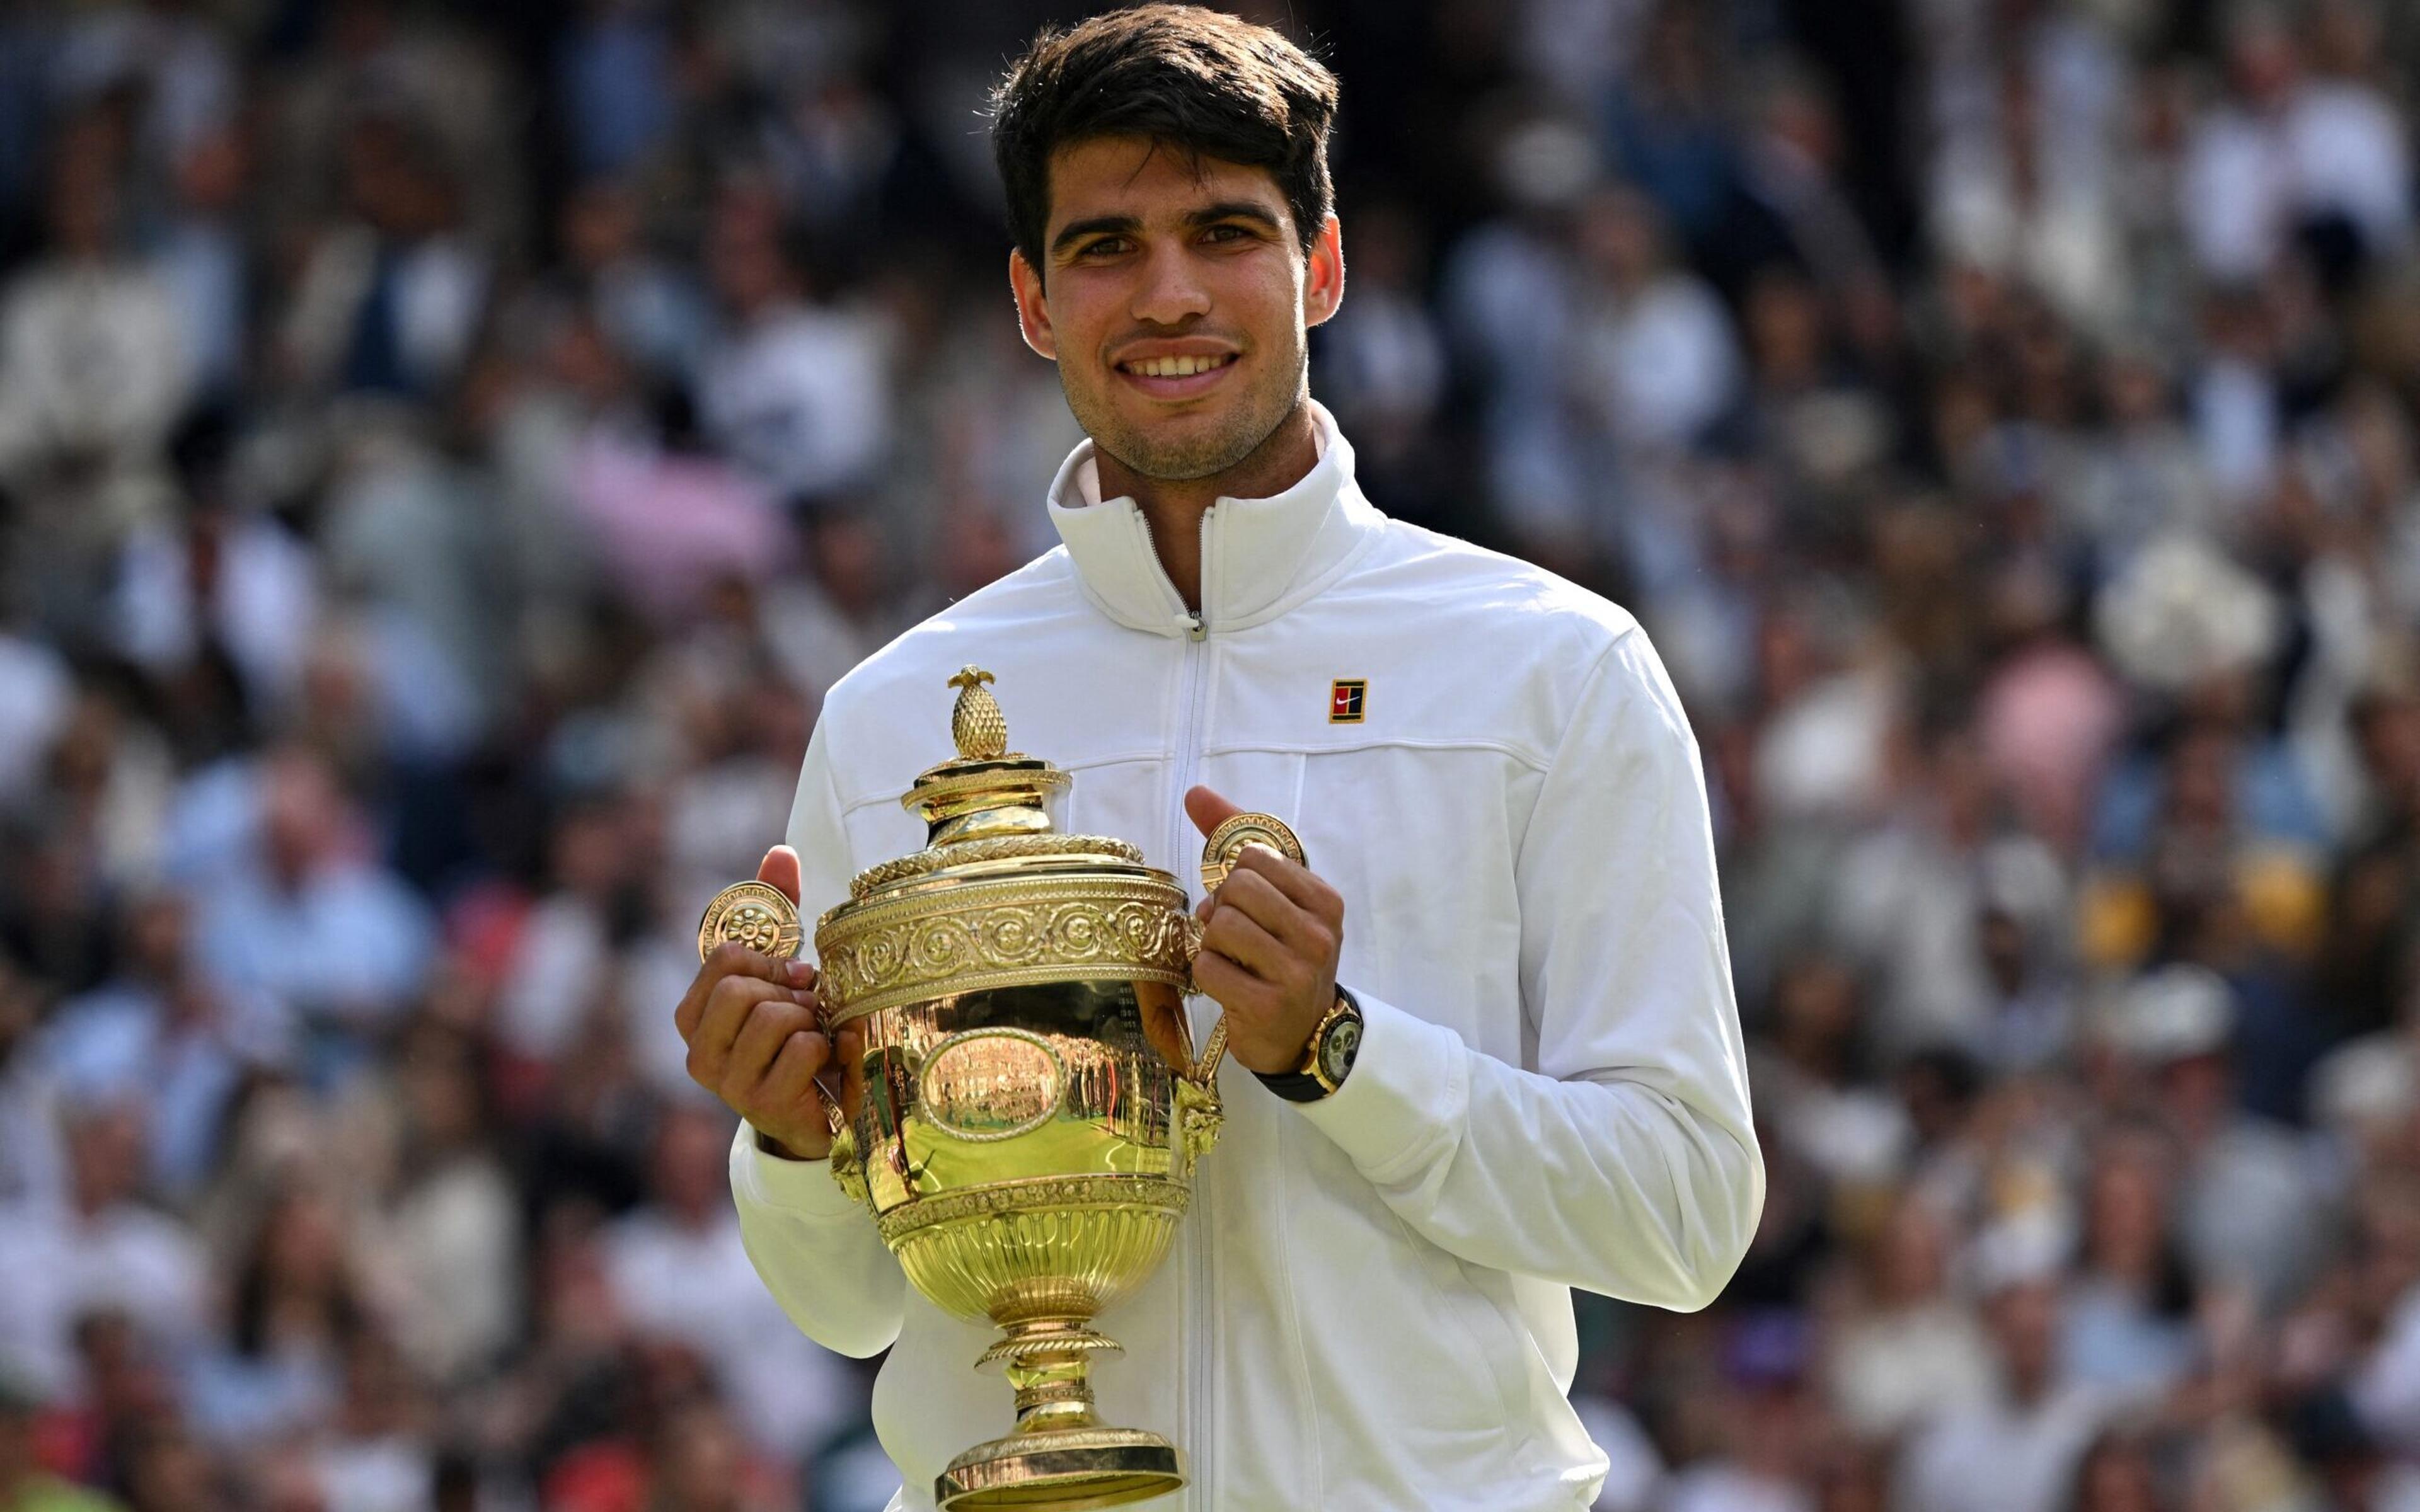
1421 844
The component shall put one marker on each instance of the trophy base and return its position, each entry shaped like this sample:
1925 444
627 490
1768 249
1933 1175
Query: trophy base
1060 1470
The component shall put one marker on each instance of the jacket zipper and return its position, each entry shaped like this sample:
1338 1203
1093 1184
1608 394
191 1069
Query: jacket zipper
1196 1336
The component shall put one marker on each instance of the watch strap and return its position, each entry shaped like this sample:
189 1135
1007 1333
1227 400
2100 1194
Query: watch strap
1294 1086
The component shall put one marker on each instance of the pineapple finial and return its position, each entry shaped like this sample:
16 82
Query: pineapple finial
977 724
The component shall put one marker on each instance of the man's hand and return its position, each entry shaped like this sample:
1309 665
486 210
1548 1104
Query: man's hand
1269 942
756 1037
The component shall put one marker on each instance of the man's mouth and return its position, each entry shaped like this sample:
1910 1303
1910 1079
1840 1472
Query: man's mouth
1175 378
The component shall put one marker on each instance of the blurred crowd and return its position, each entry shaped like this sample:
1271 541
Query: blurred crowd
447 450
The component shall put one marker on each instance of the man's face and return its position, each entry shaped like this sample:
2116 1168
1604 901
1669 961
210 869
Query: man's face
1175 299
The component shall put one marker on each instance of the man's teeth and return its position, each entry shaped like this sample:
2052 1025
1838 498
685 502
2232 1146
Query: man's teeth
1176 366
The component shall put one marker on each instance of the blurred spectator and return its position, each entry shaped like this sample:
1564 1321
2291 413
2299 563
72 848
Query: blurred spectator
1655 351
448 1243
304 914
2018 1449
388 300
648 307
2253 1204
2294 148
161 1032
2125 1321
796 391
1766 1438
678 1270
92 380
701 1465
1959 925
100 1248
223 580
821 624
1916 1352
293 1303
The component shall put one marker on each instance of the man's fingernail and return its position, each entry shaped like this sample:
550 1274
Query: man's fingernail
800 973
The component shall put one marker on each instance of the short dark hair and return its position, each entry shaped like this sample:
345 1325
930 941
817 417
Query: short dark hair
1198 81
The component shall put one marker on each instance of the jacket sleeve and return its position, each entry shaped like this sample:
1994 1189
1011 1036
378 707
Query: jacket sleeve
1624 1162
816 1250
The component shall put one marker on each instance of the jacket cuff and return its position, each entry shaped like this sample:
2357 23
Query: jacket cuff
799 1186
1404 1097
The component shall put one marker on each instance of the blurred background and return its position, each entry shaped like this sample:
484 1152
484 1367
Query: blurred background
446 450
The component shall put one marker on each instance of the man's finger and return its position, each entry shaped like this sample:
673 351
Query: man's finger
798 1059
727 1007
1306 888
792 1075
780 869
1255 896
729 959
1234 933
1207 809
769 1024
790 1096
1228 984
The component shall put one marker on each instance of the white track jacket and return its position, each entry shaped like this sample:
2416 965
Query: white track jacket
1367 1307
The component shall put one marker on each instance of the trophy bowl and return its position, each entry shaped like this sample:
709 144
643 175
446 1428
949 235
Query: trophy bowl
1028 1108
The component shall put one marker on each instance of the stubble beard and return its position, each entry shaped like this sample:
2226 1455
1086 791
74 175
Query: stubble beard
1161 452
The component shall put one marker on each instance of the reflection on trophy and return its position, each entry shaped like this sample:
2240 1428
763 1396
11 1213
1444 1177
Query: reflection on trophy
1028 1106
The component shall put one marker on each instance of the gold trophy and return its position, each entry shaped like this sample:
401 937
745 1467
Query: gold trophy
1029 1107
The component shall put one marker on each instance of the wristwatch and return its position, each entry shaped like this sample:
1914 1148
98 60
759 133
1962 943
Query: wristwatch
1325 1060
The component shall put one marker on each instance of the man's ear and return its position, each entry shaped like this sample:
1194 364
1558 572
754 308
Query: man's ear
1323 274
1033 315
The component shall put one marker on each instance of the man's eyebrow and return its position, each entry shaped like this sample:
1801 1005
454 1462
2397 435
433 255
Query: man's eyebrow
1232 209
1074 231
1225 209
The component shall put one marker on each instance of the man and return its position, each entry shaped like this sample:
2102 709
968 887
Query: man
1511 883
2016 1450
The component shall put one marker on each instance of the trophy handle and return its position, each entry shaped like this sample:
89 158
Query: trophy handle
847 1167
1204 1072
1213 1055
1200 1115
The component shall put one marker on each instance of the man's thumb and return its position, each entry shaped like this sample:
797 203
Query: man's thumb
780 869
1207 809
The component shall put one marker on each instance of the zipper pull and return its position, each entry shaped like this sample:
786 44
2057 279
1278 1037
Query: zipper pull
1194 625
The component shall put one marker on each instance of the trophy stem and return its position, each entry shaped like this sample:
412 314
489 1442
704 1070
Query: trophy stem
1049 1360
1060 1456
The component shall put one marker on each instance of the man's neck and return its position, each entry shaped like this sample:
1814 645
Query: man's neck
1174 506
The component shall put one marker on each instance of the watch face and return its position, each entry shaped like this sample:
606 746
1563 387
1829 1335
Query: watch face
1336 1051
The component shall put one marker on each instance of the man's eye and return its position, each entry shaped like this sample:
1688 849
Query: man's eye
1105 245
1226 233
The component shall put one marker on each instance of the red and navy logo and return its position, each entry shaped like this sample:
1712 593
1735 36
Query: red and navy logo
1344 700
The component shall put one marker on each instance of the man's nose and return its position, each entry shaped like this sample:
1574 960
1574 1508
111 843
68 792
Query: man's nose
1170 293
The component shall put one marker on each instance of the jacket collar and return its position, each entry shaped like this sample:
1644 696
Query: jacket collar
1259 557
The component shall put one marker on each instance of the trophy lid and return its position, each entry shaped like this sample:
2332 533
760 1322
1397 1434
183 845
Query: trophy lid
987 803
986 789
999 896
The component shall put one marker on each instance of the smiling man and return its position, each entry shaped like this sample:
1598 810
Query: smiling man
1486 1045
